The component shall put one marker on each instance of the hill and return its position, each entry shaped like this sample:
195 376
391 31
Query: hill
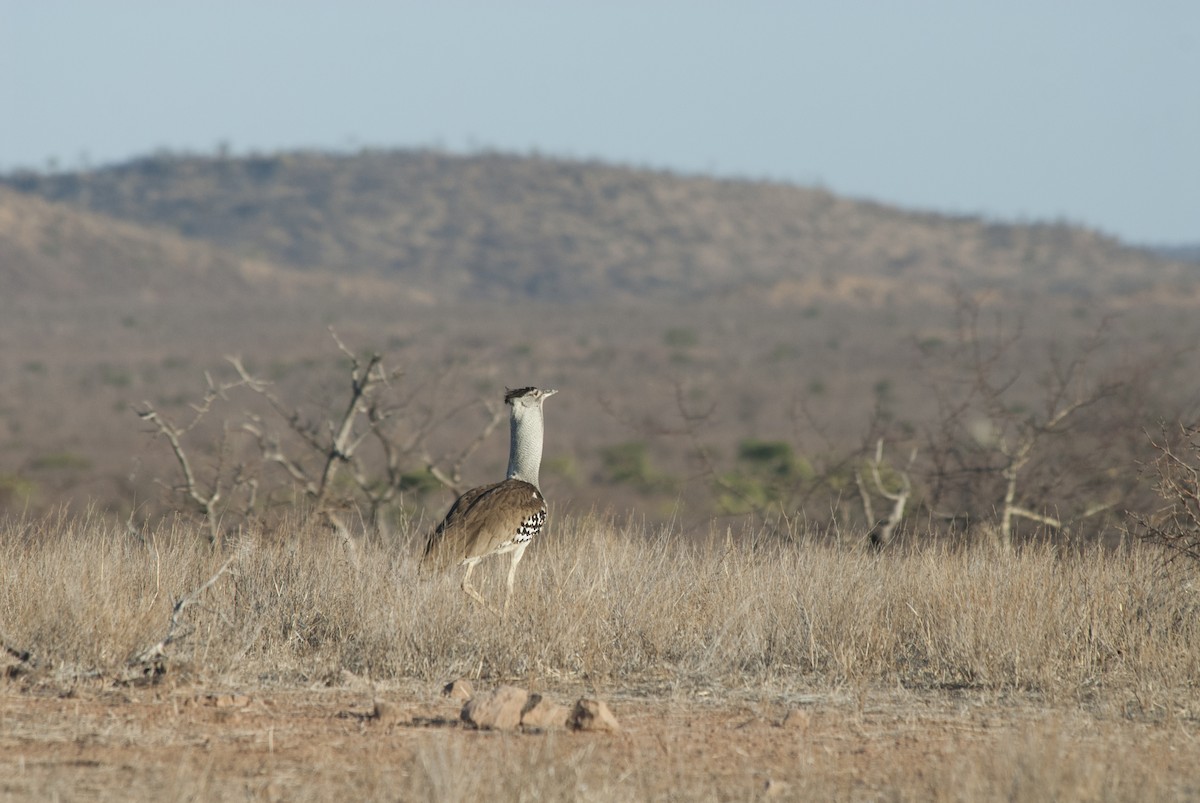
498 226
55 251
708 320
61 253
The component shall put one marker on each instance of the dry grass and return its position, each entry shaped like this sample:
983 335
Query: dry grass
606 603
930 674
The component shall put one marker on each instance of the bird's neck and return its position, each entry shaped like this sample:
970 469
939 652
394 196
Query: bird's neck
525 446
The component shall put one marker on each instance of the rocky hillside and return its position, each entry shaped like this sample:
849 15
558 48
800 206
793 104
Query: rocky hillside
53 251
498 226
60 253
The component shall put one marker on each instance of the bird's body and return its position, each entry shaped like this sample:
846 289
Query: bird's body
502 517
480 523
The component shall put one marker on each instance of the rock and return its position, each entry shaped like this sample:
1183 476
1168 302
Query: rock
386 713
542 713
774 788
592 715
499 709
460 689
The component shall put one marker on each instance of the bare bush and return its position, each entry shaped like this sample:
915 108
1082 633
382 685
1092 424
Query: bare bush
1175 476
1018 437
360 456
208 494
883 529
1011 438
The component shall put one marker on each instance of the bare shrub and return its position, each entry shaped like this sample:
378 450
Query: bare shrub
1017 438
896 490
360 456
1005 436
1175 477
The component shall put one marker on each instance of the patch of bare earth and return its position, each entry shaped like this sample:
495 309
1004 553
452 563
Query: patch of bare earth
326 743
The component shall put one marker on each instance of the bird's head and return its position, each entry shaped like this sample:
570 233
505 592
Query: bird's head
527 397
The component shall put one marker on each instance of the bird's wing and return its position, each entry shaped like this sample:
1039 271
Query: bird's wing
485 519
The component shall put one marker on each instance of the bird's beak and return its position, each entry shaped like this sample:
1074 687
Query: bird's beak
550 392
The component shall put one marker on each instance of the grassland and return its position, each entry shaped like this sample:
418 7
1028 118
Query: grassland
928 673
730 354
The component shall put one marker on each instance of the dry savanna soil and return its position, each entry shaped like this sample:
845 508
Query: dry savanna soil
198 741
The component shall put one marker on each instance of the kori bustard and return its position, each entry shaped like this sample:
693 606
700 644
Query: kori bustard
504 516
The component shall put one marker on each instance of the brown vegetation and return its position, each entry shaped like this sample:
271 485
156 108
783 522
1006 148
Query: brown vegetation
604 603
673 407
760 380
495 226
1001 658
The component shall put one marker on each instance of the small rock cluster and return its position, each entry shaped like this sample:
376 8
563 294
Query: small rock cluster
511 707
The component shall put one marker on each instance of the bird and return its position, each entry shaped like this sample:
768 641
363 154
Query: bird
502 517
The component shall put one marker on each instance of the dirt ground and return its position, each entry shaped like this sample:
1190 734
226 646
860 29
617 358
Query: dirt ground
202 742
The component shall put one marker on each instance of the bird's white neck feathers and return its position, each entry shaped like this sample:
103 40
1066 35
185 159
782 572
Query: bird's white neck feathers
525 445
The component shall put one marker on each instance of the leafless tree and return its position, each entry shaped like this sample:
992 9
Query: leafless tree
208 494
883 529
998 457
360 455
1175 477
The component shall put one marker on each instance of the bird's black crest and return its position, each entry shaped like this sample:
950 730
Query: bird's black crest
516 394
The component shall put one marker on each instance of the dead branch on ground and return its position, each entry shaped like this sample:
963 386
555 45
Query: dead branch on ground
25 659
152 657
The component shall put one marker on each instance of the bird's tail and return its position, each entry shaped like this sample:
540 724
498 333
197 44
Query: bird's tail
436 558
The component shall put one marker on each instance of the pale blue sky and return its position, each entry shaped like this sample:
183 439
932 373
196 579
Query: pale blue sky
1018 110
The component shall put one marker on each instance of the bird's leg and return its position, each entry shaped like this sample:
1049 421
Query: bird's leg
512 571
470 589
